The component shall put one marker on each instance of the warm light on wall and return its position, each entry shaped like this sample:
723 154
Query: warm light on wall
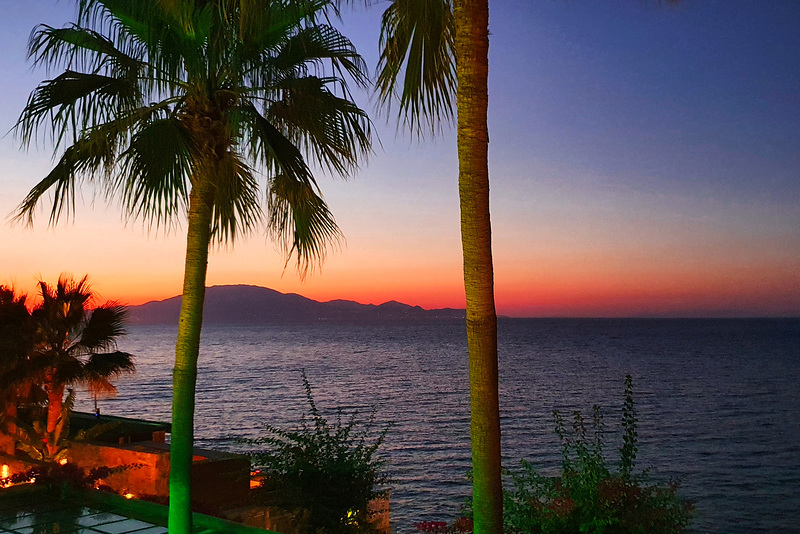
129 495
5 471
62 461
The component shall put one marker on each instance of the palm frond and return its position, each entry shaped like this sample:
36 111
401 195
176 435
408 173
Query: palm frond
170 36
204 64
73 102
315 43
62 311
417 43
93 155
101 367
16 332
66 369
271 148
299 219
263 25
74 46
333 129
88 434
236 200
155 171
106 323
29 440
88 155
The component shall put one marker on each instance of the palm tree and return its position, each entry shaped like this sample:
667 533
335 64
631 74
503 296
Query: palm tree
442 47
74 345
172 106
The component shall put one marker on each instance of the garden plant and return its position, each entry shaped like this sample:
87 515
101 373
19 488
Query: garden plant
323 472
588 496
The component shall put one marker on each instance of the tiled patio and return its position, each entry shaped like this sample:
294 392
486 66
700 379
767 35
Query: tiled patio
35 514
44 512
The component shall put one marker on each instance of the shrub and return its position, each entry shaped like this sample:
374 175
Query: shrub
588 496
64 475
39 445
329 471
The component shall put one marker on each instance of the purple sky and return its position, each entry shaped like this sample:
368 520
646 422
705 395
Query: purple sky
645 160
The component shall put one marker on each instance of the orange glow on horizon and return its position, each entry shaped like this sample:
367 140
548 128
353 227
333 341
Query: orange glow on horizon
756 290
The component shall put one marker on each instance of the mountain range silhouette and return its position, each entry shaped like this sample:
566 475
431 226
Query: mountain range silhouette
246 304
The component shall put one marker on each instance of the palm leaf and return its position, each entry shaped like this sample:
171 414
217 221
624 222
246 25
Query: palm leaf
418 43
77 46
93 154
29 441
88 434
315 43
236 203
300 220
101 367
333 129
272 148
85 156
105 324
155 171
66 104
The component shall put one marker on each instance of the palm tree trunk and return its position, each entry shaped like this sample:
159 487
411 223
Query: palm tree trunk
55 402
472 54
10 426
187 348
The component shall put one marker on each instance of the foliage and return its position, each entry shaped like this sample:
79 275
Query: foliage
34 440
588 496
17 341
41 445
329 470
16 329
75 340
462 524
65 340
54 474
160 99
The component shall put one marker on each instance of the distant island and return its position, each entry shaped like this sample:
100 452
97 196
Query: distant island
253 305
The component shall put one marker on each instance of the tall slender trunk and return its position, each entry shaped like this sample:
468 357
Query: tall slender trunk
472 53
10 426
187 348
55 400
55 404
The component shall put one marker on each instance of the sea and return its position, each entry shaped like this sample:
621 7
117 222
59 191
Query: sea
718 401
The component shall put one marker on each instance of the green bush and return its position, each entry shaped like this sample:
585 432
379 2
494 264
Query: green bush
588 496
326 471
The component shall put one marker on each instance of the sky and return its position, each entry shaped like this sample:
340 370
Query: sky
644 161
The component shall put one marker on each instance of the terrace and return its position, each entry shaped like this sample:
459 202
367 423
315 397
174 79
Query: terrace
134 498
28 509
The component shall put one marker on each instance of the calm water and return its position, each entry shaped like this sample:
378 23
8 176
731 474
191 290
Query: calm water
718 400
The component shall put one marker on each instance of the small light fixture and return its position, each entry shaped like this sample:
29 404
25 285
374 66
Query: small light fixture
129 495
62 461
5 471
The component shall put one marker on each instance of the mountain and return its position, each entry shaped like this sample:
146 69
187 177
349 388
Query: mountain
242 304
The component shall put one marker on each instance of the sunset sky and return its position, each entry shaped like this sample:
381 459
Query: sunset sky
644 161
